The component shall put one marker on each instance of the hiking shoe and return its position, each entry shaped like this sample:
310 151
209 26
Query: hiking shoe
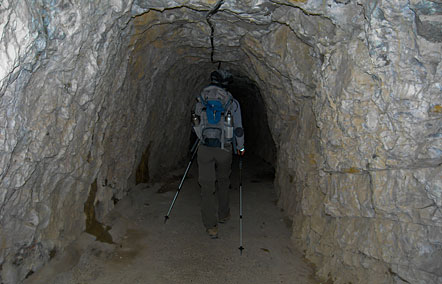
225 219
213 232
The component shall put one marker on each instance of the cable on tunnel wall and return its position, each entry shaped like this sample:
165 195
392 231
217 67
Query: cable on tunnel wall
212 28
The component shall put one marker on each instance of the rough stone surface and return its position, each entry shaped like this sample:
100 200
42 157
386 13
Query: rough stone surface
89 90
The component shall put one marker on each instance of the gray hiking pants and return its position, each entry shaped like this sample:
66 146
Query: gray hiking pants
214 165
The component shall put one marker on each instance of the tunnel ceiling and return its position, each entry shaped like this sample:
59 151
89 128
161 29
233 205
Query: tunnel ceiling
95 96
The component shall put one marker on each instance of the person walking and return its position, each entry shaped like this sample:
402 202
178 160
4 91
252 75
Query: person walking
217 123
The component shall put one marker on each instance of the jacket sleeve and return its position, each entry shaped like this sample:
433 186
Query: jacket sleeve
199 111
198 108
237 124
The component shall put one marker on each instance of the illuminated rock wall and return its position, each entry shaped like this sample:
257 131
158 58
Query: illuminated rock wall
95 97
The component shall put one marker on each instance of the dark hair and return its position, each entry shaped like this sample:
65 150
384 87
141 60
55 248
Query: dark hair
221 78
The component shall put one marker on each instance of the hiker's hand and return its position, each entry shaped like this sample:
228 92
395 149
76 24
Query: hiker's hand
241 152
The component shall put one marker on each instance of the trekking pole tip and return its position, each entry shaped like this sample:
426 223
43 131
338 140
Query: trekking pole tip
240 250
165 219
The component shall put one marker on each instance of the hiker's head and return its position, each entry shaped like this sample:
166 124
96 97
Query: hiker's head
221 78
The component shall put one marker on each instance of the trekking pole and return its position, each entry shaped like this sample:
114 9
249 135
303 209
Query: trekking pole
194 150
240 205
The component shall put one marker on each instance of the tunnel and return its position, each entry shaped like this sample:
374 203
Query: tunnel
342 98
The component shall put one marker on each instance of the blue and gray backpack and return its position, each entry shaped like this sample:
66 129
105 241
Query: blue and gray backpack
216 102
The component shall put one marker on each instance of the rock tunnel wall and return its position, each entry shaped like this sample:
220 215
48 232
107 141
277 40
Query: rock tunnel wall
352 95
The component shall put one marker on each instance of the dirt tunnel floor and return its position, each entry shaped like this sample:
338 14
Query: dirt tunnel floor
148 251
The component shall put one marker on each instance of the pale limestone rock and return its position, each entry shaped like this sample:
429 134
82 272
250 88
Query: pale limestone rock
351 89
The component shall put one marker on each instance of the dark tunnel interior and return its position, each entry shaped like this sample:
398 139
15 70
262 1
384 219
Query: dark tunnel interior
258 137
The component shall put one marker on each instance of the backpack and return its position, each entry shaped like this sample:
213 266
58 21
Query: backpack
216 102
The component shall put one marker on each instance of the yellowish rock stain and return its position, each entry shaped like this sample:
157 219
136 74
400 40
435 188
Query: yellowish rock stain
437 109
352 170
298 1
312 159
